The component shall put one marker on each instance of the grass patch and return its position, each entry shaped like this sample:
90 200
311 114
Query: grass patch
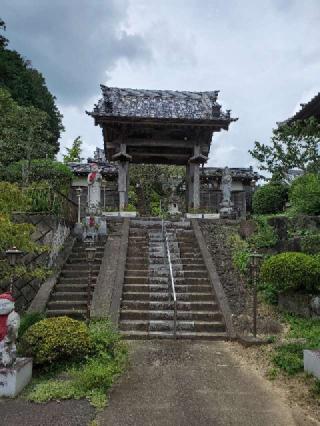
91 378
289 357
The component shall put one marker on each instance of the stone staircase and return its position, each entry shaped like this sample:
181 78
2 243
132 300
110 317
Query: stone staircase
147 307
69 296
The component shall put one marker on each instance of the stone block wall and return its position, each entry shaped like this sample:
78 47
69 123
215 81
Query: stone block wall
49 231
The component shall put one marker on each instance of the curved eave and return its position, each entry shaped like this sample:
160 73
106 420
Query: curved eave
221 122
310 109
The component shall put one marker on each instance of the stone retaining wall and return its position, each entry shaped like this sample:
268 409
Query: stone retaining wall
49 231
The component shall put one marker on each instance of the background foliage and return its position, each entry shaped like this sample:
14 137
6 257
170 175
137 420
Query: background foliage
304 194
293 145
28 89
270 198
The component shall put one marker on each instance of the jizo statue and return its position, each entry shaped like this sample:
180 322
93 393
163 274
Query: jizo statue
9 325
226 183
94 187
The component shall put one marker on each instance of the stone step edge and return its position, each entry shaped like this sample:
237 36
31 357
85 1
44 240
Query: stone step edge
188 335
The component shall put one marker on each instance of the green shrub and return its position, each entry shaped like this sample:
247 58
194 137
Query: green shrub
92 377
12 198
104 338
304 194
240 253
310 243
268 292
27 320
291 271
16 234
270 198
265 235
55 339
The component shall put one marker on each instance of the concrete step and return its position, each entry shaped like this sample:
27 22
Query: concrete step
167 325
193 266
68 296
78 273
152 272
82 252
76 314
188 335
209 305
130 314
193 260
82 260
195 274
72 288
145 287
162 296
189 253
180 288
81 267
83 280
138 259
145 280
71 305
134 265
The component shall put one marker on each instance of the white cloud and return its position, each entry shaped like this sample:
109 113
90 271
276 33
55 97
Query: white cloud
264 56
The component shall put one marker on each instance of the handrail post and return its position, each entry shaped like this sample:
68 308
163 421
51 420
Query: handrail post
174 296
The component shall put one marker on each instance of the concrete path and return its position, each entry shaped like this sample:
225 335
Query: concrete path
187 383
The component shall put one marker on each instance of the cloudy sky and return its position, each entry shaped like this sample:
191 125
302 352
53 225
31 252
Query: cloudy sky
264 57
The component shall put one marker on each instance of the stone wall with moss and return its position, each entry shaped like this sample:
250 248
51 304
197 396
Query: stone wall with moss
49 232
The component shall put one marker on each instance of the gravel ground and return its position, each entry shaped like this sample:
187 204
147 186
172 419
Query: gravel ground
17 412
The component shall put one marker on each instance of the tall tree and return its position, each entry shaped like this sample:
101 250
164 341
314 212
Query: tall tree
28 88
24 132
74 153
294 145
3 39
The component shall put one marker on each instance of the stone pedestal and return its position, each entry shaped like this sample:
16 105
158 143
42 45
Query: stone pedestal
14 379
311 361
226 212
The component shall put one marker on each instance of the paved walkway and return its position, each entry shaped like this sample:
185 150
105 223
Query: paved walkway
193 384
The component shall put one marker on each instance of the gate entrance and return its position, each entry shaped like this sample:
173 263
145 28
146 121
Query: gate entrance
162 127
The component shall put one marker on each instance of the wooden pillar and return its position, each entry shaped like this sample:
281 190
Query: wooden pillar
196 186
122 184
123 176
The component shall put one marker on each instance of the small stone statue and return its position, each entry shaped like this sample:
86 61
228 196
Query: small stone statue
226 182
9 325
94 187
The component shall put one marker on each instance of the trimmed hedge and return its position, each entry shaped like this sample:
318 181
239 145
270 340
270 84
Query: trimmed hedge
54 339
291 271
270 198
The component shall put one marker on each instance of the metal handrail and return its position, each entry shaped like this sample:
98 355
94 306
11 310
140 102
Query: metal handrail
173 290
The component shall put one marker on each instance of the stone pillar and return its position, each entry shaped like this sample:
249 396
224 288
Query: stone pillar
122 184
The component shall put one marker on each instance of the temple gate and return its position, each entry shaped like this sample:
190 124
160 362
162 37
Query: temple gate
162 127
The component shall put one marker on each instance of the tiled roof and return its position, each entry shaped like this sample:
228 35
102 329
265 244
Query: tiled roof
85 168
236 172
162 104
309 109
